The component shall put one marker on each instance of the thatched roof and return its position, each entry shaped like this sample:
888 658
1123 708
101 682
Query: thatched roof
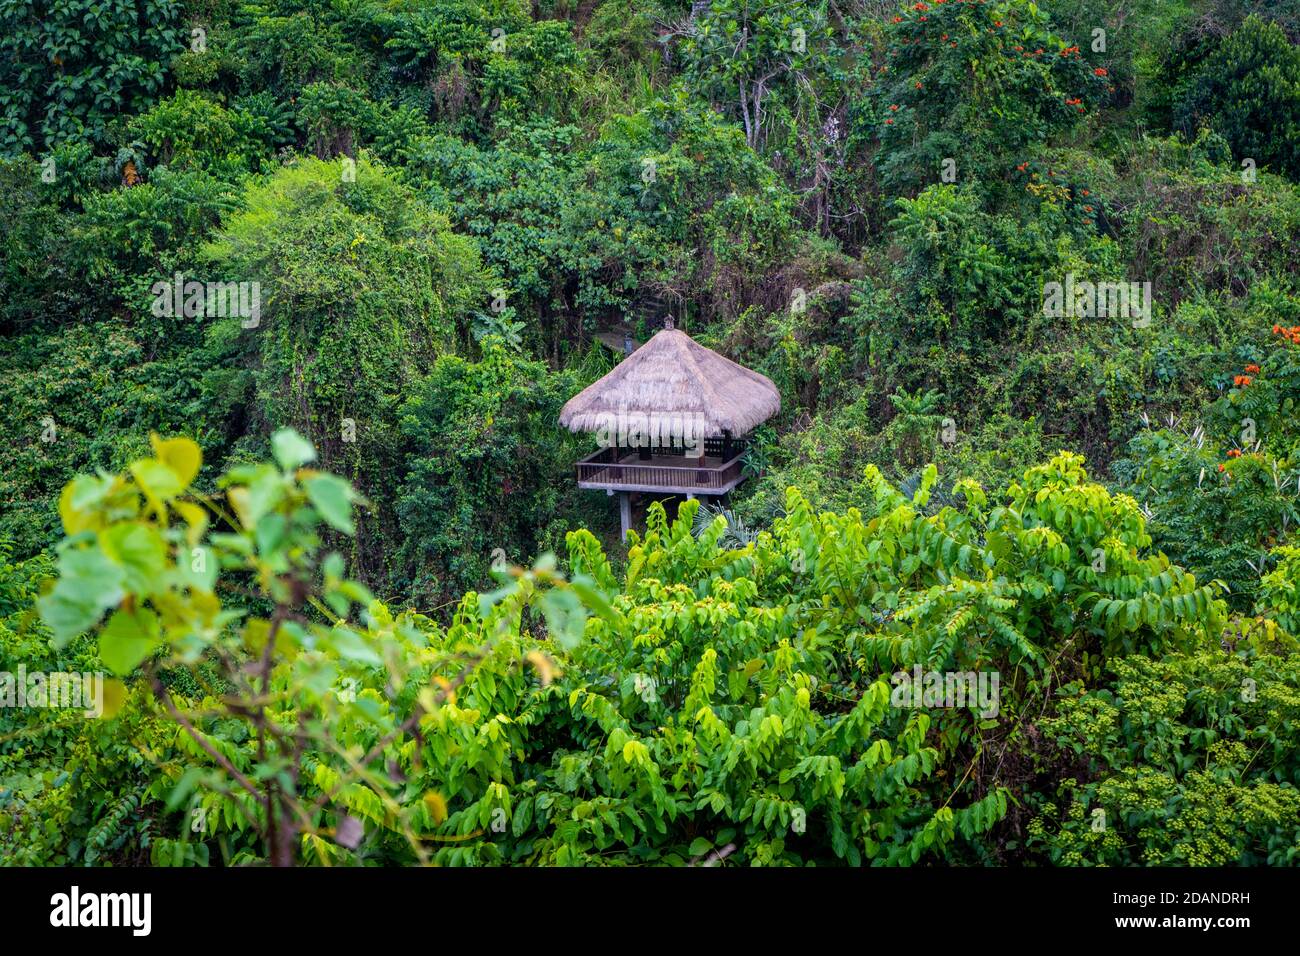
671 384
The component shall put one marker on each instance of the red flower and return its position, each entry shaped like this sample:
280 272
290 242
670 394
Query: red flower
894 108
1099 72
889 122
1222 467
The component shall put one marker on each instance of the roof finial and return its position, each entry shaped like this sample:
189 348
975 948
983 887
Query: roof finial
668 321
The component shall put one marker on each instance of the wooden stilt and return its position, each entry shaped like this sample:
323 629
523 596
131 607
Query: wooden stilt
624 514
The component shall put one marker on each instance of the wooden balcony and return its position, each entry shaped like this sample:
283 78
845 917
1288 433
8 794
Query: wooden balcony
620 469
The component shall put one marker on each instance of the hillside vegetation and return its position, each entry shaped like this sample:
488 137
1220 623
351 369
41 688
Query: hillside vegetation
321 531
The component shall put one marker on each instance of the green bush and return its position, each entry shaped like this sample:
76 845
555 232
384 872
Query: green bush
1249 90
67 69
978 84
485 469
716 702
1189 761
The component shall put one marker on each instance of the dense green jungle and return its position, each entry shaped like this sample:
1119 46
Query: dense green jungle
307 578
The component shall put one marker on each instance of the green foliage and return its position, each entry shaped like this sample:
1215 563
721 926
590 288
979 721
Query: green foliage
753 55
1224 494
67 69
978 84
362 286
71 789
34 283
190 129
657 185
532 181
143 569
486 469
715 703
1279 596
1248 90
1189 761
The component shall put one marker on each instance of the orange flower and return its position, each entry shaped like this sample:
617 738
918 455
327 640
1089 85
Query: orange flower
1222 467
1099 72
894 108
1252 368
1234 453
1241 381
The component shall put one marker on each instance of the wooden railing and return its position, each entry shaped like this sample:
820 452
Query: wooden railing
604 470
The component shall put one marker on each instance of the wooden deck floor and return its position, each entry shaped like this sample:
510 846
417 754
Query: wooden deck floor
665 474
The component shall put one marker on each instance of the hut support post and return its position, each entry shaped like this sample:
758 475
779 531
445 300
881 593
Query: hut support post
624 514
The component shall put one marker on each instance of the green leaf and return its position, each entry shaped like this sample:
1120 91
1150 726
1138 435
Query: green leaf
352 646
127 640
89 584
156 480
197 569
332 497
291 450
181 455
184 787
566 617
140 551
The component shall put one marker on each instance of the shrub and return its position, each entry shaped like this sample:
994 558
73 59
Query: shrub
1188 761
68 68
1249 90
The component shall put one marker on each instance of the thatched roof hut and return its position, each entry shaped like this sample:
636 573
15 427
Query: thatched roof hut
673 379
